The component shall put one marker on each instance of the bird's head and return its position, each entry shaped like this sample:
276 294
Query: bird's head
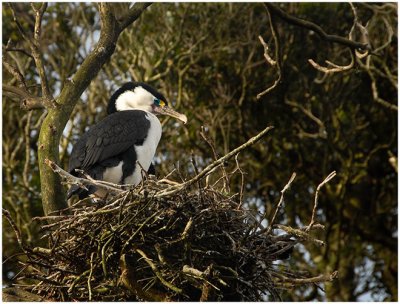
141 96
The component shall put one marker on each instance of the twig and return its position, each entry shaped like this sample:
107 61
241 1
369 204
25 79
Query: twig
103 255
315 28
158 273
29 102
133 14
83 181
266 55
77 279
375 94
277 61
19 26
20 240
319 279
17 75
326 180
216 163
321 126
287 186
90 276
300 234
241 182
364 32
212 146
34 44
37 56
139 229
10 48
186 269
192 271
334 67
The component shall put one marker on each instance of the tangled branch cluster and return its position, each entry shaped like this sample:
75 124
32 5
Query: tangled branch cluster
185 242
190 246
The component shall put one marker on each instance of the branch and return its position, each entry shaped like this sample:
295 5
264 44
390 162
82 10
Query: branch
319 279
321 126
287 186
302 235
82 182
19 26
34 44
266 55
364 32
133 14
36 53
20 240
277 61
158 273
326 180
334 67
375 93
29 102
213 165
316 29
16 73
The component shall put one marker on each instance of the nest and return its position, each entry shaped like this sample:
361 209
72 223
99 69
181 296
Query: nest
189 246
158 242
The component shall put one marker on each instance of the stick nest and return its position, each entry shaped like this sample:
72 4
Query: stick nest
161 242
191 245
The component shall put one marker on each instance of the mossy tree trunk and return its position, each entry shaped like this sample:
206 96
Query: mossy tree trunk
58 114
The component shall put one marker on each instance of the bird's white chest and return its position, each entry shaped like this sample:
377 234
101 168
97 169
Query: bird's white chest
144 156
145 152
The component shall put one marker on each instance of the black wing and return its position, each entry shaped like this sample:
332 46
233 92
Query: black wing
110 137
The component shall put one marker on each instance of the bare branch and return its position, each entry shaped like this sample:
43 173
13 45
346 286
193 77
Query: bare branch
287 186
12 49
158 273
20 240
215 164
29 102
321 126
334 67
34 44
277 61
266 55
326 180
82 182
212 146
300 234
315 28
364 33
374 89
319 279
16 73
133 14
24 35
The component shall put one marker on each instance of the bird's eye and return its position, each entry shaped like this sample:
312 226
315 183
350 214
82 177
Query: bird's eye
159 103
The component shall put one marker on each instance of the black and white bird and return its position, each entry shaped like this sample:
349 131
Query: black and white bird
119 146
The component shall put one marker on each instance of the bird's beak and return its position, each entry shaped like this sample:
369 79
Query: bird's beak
165 110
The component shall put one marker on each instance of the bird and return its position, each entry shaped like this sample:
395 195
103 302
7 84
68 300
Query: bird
117 148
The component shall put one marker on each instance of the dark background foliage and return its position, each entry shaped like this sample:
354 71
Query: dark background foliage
208 61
